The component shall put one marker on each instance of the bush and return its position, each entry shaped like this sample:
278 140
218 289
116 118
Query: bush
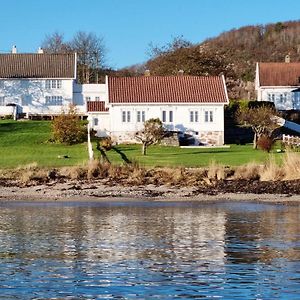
265 143
68 129
105 143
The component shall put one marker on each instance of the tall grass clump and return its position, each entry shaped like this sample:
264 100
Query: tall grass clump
271 171
291 165
250 171
216 171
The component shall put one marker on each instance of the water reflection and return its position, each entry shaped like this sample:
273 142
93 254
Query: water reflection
98 251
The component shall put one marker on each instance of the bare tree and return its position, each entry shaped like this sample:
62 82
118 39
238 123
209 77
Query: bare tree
91 55
54 43
152 133
263 121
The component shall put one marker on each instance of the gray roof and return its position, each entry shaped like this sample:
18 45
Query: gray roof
37 65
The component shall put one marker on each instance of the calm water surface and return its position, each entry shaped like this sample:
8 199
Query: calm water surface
149 251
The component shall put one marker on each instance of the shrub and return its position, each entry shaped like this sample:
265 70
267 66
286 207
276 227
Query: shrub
68 129
105 143
265 143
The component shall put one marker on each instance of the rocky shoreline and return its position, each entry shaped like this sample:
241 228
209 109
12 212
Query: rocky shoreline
287 192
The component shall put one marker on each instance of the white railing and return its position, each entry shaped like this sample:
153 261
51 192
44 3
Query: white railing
291 140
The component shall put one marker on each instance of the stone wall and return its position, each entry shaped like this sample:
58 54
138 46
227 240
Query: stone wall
213 138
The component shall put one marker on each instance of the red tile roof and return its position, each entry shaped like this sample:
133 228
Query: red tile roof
167 89
96 106
279 74
36 65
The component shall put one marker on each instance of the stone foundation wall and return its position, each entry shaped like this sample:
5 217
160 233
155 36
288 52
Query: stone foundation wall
213 138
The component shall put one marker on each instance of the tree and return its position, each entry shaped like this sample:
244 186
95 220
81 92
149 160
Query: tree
262 119
152 133
91 55
67 128
54 43
90 51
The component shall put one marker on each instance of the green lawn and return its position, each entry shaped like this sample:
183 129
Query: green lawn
25 142
174 156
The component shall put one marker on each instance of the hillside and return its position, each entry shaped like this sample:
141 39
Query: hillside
233 53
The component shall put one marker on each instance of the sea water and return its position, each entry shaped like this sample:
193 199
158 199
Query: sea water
149 250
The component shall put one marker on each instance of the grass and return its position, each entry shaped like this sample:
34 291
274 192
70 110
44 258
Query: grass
173 156
23 143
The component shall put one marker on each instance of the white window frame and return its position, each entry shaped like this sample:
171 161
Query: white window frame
194 116
53 84
140 116
208 116
54 100
126 116
97 98
171 116
164 116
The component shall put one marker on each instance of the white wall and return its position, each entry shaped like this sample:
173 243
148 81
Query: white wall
181 118
82 91
30 95
100 121
290 100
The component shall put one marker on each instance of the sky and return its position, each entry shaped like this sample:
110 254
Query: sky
129 26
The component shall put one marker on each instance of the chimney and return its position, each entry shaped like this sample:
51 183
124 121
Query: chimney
14 49
147 73
180 73
40 50
287 58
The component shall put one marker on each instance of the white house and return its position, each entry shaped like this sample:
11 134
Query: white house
36 83
41 84
279 83
186 104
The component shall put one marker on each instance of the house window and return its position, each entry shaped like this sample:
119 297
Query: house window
273 97
53 84
96 121
194 117
54 100
126 116
123 116
2 101
87 98
170 116
164 116
140 116
208 116
97 98
48 84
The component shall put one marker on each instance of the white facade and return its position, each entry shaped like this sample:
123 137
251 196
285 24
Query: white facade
283 97
36 96
202 121
82 93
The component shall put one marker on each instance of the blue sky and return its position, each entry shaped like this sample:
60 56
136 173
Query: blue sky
128 26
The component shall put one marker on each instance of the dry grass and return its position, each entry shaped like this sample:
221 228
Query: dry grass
216 171
31 174
271 171
250 171
291 166
134 174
